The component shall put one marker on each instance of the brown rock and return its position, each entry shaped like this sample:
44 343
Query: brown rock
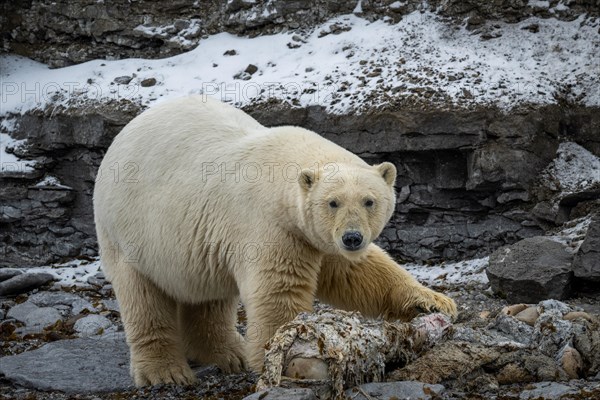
514 309
571 362
528 315
148 82
513 373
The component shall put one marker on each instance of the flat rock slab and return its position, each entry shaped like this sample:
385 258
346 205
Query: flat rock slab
22 283
7 273
547 391
50 299
395 390
82 365
278 393
35 318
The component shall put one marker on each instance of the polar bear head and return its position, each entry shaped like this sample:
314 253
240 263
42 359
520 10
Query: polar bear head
346 206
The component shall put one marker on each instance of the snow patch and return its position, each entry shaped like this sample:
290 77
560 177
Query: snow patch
374 64
72 273
8 161
358 9
458 273
53 182
572 234
573 169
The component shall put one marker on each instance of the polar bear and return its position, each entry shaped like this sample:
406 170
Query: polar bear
197 206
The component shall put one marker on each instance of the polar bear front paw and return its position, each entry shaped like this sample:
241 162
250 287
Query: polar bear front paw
430 301
146 373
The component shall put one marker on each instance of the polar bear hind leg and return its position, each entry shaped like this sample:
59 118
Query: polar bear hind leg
150 320
210 336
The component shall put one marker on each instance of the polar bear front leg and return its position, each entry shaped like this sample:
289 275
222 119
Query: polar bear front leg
210 336
149 318
277 296
377 286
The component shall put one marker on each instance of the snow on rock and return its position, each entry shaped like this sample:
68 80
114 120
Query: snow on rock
51 181
8 161
75 272
357 65
573 169
572 233
462 272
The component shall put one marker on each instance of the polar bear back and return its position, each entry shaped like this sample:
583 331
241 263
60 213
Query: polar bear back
160 201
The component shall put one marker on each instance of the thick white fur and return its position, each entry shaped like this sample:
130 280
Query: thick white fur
186 227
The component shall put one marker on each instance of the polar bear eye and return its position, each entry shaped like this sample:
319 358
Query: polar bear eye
333 204
369 203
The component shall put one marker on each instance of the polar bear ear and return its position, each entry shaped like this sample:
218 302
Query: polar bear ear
387 170
307 178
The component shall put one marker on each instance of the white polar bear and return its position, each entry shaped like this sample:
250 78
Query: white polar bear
210 207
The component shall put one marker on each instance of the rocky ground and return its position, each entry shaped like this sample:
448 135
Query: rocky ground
67 342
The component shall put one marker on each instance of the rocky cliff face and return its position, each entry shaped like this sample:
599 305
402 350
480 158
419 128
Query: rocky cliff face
469 177
64 32
467 183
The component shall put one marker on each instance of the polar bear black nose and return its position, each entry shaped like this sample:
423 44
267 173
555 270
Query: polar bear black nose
352 240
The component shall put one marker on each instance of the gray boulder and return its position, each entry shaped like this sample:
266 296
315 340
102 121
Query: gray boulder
531 270
79 305
73 366
49 299
7 273
279 393
53 299
396 390
586 265
35 318
24 282
547 391
92 325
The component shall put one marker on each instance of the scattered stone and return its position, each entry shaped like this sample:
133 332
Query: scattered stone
586 264
230 53
78 306
251 69
81 365
112 305
528 315
7 273
278 393
475 20
123 80
24 282
51 299
512 351
533 28
547 391
570 316
148 82
92 325
395 390
514 309
531 270
35 318
571 362
243 76
95 281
